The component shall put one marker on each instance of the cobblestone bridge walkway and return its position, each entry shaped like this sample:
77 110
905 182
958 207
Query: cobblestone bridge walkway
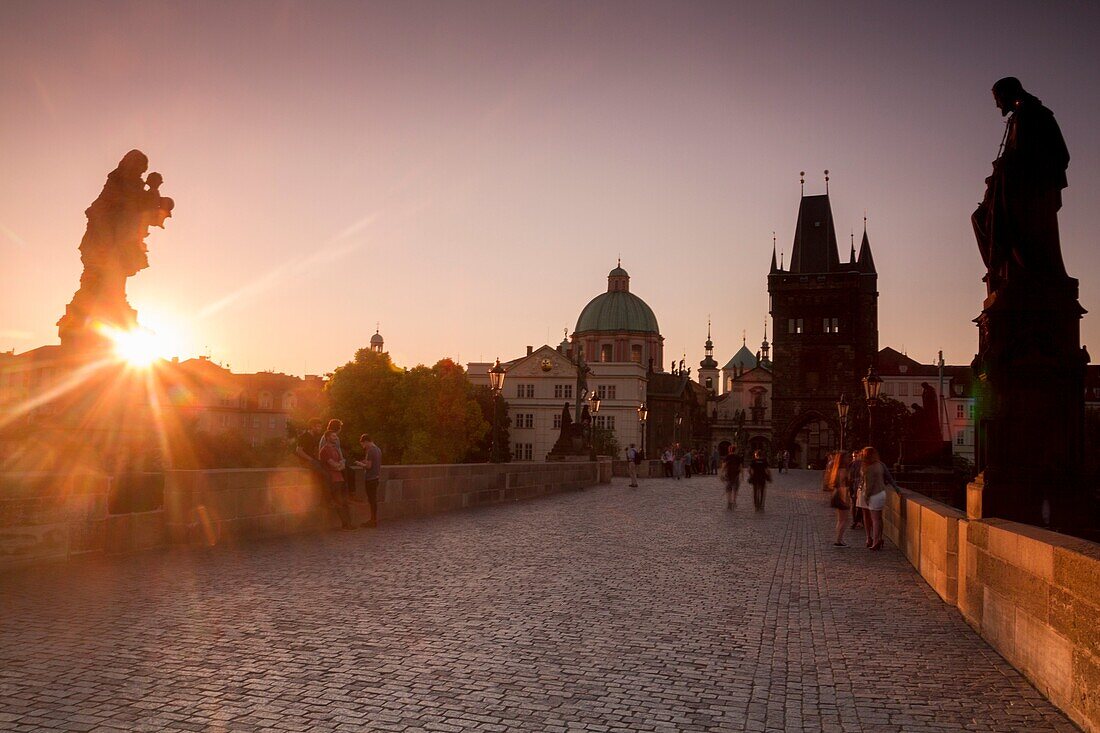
608 609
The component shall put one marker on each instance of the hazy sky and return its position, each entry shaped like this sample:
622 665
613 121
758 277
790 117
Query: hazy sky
467 173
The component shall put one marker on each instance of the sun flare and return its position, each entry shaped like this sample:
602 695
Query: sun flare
139 347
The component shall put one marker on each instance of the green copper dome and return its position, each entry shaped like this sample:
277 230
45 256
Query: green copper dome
618 309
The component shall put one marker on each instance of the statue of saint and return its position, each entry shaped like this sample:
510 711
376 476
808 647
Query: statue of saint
1016 224
113 249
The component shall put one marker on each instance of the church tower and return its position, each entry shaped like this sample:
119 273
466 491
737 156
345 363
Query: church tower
824 332
708 367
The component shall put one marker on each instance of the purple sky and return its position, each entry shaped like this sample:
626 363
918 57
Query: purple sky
467 173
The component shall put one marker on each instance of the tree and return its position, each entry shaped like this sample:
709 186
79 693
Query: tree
421 415
479 451
604 442
891 417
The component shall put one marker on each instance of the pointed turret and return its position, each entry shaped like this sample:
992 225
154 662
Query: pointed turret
852 255
866 262
708 361
815 247
775 268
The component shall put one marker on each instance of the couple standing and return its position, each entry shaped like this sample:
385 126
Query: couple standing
759 476
861 476
320 450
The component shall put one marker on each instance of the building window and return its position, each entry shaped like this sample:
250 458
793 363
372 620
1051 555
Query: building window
903 389
960 437
265 401
255 421
271 423
606 422
970 411
288 401
794 325
523 452
525 420
525 390
606 352
636 353
606 391
959 411
563 391
557 421
831 325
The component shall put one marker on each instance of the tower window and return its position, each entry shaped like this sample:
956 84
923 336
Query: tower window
831 325
636 353
605 352
794 325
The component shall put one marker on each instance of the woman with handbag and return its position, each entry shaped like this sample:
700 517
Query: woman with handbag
840 483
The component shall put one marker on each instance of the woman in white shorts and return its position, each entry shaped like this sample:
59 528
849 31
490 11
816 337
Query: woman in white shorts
872 496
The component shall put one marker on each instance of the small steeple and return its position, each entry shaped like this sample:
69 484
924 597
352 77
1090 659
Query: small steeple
852 256
774 268
866 262
708 361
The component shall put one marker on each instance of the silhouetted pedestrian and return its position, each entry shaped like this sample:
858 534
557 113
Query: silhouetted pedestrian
759 476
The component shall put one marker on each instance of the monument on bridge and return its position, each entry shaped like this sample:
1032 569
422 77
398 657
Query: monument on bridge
1030 364
112 250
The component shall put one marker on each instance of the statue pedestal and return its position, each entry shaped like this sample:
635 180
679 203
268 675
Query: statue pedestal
1030 406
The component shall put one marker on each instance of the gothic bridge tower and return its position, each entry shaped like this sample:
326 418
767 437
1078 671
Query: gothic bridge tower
824 332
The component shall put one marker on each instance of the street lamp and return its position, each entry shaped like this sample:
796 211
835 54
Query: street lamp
872 384
642 413
496 384
842 412
594 402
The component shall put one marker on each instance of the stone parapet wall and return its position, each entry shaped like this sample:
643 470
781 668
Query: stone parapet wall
1034 595
49 517
646 469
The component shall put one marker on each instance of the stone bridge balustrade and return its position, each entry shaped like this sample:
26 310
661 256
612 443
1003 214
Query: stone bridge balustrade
49 517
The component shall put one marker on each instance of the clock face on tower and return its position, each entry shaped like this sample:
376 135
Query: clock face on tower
546 365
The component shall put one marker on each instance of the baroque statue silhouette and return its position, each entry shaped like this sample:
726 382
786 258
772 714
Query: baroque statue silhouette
112 250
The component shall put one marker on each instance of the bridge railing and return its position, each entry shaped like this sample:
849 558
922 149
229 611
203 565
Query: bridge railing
1034 595
50 516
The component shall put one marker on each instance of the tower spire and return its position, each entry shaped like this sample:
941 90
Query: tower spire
852 256
802 182
826 181
774 268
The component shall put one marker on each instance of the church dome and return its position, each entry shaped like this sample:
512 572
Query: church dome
743 359
618 309
376 338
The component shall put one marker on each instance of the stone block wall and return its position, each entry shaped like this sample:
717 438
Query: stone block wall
646 469
1034 595
48 517
51 517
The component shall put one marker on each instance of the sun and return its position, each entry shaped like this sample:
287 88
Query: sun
138 347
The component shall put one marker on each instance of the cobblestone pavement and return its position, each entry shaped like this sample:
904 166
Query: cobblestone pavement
605 610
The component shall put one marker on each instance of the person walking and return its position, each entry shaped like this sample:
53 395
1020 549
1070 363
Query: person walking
733 476
333 461
372 474
666 462
689 458
840 483
855 480
872 496
678 462
785 461
715 460
759 476
632 460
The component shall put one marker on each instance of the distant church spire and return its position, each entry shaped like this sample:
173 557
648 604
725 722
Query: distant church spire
826 181
774 268
852 256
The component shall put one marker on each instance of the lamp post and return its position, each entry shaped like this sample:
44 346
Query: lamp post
842 412
642 413
496 384
594 401
872 383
